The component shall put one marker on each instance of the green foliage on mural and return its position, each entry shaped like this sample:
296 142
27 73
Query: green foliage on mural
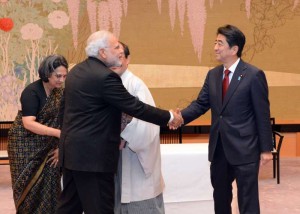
37 29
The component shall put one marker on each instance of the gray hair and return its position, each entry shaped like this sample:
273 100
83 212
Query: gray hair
96 41
49 64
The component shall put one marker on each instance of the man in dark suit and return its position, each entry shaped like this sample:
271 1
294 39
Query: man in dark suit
240 134
89 143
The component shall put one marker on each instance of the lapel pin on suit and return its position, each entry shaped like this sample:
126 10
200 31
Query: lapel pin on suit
240 77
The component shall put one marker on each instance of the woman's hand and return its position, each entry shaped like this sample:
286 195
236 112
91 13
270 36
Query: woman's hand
57 133
53 158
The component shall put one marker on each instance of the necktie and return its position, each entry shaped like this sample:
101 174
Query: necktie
225 83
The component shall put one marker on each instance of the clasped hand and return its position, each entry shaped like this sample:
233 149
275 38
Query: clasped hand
177 120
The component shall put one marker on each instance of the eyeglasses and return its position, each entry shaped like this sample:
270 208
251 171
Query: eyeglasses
59 76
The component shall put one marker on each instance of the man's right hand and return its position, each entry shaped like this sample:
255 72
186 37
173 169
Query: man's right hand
177 120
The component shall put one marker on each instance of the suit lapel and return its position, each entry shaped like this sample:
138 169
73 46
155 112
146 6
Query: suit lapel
236 79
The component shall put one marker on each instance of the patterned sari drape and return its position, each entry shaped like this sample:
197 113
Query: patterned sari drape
36 185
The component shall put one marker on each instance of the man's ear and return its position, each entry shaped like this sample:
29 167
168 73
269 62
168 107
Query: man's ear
235 49
101 53
128 60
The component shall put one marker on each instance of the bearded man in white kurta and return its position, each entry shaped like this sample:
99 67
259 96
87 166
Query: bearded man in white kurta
139 182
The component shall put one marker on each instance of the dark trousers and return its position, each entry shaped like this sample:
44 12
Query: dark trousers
223 174
91 192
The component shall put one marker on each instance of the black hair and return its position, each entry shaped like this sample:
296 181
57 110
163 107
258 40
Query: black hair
126 49
233 37
49 64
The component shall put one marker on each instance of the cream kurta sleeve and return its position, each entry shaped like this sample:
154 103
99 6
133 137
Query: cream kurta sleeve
142 137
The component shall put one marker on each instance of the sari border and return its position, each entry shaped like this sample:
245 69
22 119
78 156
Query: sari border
31 183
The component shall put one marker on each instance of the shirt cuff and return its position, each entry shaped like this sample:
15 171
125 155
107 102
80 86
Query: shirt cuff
171 117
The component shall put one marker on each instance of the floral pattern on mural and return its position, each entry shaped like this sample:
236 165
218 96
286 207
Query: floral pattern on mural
25 38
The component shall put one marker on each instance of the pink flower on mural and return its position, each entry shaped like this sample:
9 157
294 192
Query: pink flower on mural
181 5
159 6
196 13
73 8
172 12
106 15
6 24
91 7
103 16
31 31
58 19
125 7
248 8
115 8
296 3
211 3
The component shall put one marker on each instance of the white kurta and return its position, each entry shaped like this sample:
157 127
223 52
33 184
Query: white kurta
141 159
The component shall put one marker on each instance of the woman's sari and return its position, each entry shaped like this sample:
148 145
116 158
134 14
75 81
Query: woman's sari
36 185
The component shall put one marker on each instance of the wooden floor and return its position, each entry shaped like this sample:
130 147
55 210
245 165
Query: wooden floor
275 198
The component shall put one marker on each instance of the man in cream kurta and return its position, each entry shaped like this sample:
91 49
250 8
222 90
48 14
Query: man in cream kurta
139 182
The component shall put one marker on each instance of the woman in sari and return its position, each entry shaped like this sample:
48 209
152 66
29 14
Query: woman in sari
33 141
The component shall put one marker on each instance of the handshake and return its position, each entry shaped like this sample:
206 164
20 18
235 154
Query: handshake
177 120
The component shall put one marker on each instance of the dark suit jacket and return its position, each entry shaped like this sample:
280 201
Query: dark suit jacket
92 105
242 120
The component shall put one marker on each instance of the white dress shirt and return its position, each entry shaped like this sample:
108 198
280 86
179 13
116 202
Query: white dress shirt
232 69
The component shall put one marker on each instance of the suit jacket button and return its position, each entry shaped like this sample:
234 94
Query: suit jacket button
221 116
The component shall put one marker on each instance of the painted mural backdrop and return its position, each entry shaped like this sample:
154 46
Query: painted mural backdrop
32 29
